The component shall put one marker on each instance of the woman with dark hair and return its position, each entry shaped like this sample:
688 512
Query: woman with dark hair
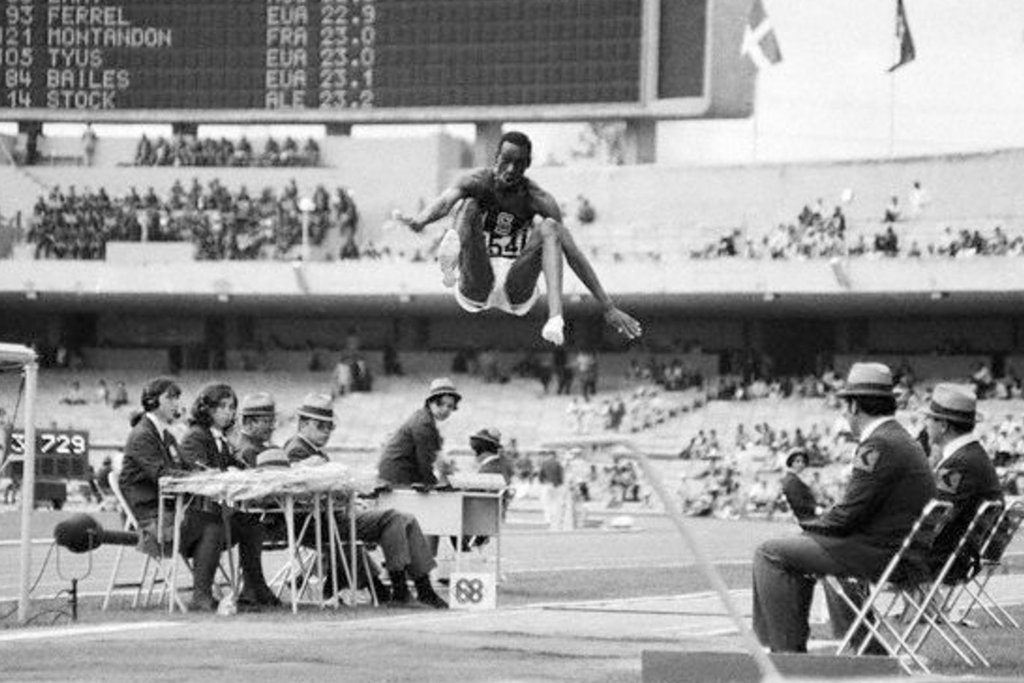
205 446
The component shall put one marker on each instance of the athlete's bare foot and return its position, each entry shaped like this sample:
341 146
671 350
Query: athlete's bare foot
554 330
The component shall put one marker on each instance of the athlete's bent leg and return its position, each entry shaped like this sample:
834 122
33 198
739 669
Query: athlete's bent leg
476 279
543 253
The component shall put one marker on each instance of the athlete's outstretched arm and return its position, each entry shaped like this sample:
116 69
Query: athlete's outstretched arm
435 210
619 320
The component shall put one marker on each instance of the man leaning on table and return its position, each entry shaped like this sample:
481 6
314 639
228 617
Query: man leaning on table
406 552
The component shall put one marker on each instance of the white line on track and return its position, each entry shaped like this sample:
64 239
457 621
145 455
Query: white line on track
45 633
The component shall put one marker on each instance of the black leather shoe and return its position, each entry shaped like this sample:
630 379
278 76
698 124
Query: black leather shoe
202 604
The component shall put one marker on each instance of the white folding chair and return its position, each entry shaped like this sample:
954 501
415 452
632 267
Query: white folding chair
153 571
992 551
929 606
871 616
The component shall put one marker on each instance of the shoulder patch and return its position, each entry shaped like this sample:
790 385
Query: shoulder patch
948 481
866 460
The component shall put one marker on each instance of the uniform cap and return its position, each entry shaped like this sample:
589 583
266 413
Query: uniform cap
489 436
272 457
257 405
317 407
952 403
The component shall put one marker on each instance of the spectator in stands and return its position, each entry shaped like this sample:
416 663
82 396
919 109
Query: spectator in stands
586 370
964 474
409 456
88 144
918 199
120 396
798 493
585 212
102 392
892 210
74 395
553 491
103 476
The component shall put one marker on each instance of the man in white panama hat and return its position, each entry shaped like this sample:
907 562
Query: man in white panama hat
964 473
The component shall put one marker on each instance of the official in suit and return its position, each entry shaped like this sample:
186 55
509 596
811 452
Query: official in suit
151 452
964 472
890 484
798 494
258 417
409 455
406 550
205 447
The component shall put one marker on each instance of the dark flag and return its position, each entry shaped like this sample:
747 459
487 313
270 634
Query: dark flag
903 37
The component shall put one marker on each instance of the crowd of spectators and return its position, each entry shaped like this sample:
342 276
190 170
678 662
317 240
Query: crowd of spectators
222 224
818 234
190 150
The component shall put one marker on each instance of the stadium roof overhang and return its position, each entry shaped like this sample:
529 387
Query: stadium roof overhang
728 287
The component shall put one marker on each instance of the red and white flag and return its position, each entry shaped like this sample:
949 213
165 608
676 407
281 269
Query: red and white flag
759 41
903 38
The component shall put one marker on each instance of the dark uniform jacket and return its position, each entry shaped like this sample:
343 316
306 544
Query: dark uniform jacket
799 496
890 485
409 454
200 450
248 447
146 459
966 478
298 449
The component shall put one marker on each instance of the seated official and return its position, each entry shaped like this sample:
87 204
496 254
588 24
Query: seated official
889 487
406 551
205 446
151 452
964 474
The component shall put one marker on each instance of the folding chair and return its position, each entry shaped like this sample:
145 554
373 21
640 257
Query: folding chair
153 571
991 552
929 608
935 515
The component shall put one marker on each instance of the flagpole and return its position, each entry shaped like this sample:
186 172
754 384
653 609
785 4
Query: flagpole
754 118
892 114
892 93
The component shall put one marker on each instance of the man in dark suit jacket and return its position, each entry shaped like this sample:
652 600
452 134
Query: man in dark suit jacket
150 453
964 474
409 455
406 551
889 487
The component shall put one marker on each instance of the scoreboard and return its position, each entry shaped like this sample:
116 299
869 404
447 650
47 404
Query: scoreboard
350 59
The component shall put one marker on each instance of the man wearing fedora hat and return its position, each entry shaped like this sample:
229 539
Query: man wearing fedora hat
964 473
316 423
258 414
889 486
406 550
410 453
